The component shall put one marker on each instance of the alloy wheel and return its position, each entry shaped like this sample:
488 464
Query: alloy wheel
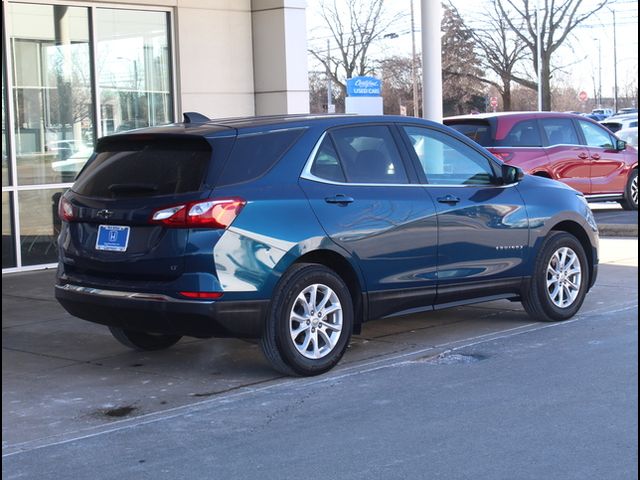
564 277
315 321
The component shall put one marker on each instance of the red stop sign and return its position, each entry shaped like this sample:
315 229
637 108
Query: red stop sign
583 96
493 102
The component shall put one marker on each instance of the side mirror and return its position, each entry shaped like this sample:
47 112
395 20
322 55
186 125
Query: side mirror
511 174
620 145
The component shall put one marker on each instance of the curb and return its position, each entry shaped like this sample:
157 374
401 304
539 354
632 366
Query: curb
617 230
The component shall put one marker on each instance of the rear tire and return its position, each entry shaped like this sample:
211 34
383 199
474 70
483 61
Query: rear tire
560 279
142 341
309 324
630 201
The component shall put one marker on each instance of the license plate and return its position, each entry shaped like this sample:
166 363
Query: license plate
114 238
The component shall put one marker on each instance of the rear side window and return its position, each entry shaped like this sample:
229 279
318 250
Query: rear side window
479 132
136 167
369 154
560 131
326 164
522 134
254 154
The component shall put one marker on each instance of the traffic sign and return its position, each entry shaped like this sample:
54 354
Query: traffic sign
493 102
583 96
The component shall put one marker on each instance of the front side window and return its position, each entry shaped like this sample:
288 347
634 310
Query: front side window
368 154
560 131
446 161
595 135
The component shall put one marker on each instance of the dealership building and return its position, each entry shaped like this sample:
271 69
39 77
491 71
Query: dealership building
73 71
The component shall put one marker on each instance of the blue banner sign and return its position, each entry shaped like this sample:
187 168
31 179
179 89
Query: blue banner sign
364 87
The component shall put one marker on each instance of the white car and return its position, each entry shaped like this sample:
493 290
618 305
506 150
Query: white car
629 135
621 121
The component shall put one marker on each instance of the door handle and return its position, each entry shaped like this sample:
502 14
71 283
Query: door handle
583 156
448 199
340 199
595 156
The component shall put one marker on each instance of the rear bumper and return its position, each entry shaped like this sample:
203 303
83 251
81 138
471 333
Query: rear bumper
150 312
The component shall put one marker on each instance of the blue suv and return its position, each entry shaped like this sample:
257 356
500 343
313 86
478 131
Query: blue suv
298 229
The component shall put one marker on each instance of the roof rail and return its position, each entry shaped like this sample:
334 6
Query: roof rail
194 117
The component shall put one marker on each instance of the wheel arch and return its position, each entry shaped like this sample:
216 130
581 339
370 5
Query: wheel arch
577 231
343 268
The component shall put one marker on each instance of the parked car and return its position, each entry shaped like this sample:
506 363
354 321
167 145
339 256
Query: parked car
626 111
297 229
619 122
594 116
606 112
629 135
565 147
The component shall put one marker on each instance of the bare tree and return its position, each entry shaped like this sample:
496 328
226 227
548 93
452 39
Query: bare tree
397 84
353 25
500 51
558 19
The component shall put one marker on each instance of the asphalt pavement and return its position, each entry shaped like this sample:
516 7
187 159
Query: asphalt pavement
614 221
473 392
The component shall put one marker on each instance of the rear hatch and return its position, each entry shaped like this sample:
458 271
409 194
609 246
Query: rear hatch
129 177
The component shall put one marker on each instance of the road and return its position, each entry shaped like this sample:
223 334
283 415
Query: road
475 392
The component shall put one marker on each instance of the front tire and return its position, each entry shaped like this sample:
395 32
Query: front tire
310 321
630 201
142 341
560 279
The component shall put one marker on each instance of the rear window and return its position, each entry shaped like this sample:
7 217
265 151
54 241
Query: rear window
479 132
254 154
135 167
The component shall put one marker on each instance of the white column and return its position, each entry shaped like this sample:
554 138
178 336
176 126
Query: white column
431 60
280 72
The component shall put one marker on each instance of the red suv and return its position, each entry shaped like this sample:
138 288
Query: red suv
565 147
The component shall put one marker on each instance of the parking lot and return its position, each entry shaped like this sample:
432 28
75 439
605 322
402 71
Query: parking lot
75 401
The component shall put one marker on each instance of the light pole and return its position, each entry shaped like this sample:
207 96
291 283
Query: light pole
413 64
599 73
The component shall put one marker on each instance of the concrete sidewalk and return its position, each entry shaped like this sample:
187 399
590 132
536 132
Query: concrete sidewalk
614 221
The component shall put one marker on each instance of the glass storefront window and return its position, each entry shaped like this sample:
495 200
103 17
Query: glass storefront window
6 173
39 225
8 248
133 69
50 105
51 90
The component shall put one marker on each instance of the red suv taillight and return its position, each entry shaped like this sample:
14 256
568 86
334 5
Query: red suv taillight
212 213
66 212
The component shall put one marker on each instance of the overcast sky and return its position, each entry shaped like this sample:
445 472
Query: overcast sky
580 52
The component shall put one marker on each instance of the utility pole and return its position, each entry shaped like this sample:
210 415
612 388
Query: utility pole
416 110
615 65
330 106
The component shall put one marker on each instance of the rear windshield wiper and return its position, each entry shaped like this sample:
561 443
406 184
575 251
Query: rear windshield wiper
132 187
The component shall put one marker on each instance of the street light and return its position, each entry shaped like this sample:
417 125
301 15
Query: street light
599 73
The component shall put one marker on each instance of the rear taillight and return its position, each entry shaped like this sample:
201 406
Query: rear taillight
66 212
213 213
